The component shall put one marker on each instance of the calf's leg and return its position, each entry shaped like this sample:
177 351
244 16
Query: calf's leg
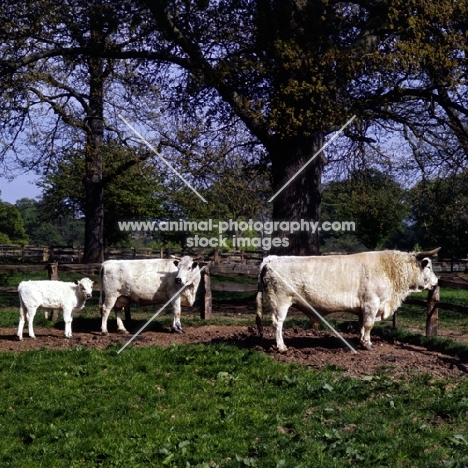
30 313
21 321
67 318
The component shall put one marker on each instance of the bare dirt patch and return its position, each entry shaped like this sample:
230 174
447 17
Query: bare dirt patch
315 349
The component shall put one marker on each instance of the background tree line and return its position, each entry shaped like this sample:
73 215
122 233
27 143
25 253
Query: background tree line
386 215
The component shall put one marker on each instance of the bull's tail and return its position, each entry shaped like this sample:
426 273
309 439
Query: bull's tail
101 274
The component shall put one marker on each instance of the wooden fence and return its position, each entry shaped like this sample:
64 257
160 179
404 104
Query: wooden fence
28 254
433 304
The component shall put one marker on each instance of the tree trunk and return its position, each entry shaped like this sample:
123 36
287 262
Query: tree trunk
94 202
300 200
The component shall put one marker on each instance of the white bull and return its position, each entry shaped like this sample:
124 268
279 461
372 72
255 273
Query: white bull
371 285
146 282
70 297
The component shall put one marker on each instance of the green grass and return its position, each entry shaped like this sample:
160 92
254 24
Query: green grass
188 406
221 406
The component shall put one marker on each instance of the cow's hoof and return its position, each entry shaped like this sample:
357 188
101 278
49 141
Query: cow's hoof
105 333
179 330
367 346
122 332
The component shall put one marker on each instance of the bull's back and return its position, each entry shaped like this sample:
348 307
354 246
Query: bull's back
330 283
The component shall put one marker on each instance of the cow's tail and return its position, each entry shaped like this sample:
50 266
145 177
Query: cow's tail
259 300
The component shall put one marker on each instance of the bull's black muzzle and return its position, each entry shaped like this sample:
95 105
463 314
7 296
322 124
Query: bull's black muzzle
178 280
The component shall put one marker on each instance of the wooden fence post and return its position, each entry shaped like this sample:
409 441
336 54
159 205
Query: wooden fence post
432 321
52 271
207 304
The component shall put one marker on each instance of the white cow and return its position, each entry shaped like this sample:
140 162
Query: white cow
146 282
70 297
371 285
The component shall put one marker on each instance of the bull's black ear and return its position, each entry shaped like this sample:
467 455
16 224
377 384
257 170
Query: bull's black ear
76 281
176 263
194 265
425 262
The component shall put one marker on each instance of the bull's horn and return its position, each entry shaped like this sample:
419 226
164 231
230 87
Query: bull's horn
175 257
429 253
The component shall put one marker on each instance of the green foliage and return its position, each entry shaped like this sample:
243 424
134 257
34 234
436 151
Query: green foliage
132 189
373 200
11 225
45 229
439 213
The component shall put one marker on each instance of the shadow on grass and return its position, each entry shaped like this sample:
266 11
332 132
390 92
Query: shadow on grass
93 324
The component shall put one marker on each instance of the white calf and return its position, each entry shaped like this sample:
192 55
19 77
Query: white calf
70 297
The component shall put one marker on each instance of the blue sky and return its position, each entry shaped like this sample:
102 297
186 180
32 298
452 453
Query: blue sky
21 186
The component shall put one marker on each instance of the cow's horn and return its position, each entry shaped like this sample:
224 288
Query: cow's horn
175 257
429 253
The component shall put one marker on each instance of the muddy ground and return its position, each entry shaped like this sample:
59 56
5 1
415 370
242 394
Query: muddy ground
313 348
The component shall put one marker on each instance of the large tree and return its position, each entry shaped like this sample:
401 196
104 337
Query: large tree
131 191
59 88
294 71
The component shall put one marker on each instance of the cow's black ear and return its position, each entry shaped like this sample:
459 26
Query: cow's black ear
425 262
194 265
76 281
176 263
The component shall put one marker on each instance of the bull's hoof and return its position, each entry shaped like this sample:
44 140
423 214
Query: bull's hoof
179 330
123 332
105 333
367 346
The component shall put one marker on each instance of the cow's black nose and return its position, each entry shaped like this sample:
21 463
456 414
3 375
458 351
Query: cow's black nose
178 280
